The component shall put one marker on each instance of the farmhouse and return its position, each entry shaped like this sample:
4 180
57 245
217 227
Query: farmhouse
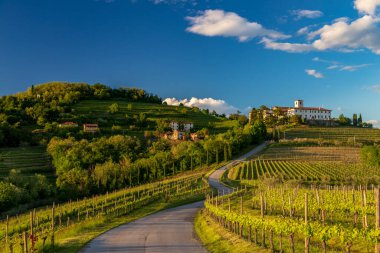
68 125
185 126
90 128
175 135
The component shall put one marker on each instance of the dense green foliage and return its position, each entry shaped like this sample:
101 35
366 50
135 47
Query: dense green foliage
107 163
45 103
19 189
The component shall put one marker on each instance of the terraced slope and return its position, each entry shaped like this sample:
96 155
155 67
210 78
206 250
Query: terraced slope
29 160
334 133
97 111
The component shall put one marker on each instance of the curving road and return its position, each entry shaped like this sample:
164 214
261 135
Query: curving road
167 231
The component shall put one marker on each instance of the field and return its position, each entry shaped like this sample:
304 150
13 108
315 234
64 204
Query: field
96 111
29 160
308 172
303 199
54 226
348 134
291 219
347 154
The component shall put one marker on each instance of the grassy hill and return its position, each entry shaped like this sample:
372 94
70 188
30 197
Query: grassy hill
29 160
32 160
97 111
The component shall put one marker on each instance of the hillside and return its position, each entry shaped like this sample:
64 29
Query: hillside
29 160
97 111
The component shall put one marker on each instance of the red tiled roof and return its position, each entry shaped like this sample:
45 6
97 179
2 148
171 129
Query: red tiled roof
312 108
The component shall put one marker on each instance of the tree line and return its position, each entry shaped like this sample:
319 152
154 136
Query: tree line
86 167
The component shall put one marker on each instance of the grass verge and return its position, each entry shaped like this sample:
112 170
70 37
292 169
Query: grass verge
217 239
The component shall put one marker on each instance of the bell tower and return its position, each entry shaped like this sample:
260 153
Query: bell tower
298 103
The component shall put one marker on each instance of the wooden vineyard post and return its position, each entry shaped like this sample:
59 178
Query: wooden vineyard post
52 228
377 217
6 235
307 239
31 236
241 205
24 238
262 217
241 213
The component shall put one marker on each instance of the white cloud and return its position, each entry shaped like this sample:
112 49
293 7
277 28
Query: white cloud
375 88
342 35
340 66
331 67
367 6
342 19
299 14
361 33
317 59
105 1
374 122
313 72
229 24
287 47
182 2
303 31
354 67
220 106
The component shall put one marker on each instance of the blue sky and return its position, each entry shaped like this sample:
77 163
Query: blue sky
245 53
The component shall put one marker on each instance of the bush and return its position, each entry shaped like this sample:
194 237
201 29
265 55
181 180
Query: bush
10 195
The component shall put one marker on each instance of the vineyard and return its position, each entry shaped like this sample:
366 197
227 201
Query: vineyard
97 111
312 172
40 229
331 133
275 152
28 160
292 219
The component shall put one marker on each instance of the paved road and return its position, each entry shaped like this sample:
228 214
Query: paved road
167 231
214 177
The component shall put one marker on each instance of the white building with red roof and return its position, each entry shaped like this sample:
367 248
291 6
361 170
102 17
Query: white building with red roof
309 113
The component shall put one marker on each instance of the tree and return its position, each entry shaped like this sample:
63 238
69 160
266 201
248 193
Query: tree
360 120
343 121
114 108
242 119
9 195
295 119
355 120
162 125
258 131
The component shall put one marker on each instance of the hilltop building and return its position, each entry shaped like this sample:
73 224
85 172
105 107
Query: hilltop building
309 113
306 113
68 125
90 128
183 126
